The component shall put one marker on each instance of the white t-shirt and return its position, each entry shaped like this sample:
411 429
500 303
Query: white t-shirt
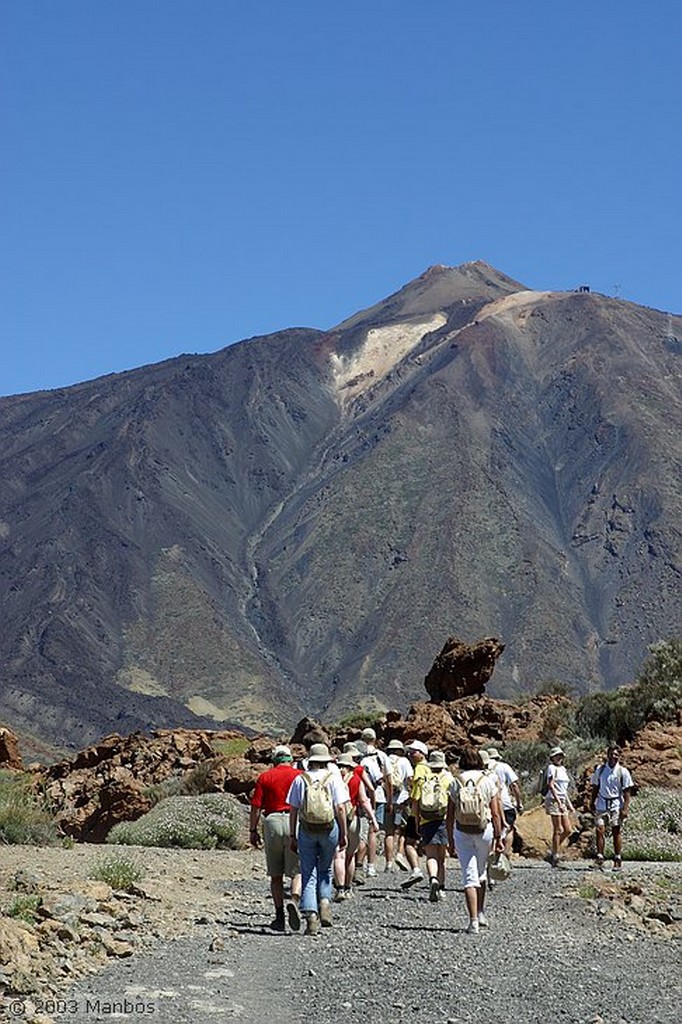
559 776
612 782
337 787
404 769
377 764
507 776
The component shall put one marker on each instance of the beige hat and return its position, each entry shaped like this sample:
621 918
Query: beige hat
350 748
281 754
396 745
368 735
345 760
437 760
319 754
556 752
494 754
485 756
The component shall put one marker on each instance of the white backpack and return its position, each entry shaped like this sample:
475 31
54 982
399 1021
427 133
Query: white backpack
472 811
317 809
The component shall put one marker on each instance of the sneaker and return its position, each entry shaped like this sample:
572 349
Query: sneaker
294 915
402 862
600 860
433 890
312 924
482 920
340 896
414 876
359 876
390 866
325 913
371 871
348 892
617 864
441 892
491 884
554 860
472 928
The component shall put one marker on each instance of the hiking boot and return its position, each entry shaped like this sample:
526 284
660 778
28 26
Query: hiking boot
359 876
312 924
482 920
371 871
340 896
433 890
278 924
402 862
600 860
472 928
294 915
617 864
414 876
390 866
326 913
441 892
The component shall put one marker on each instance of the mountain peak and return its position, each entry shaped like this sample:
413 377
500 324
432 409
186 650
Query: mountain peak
436 290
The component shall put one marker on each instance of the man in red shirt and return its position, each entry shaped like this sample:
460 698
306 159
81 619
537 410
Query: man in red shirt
269 802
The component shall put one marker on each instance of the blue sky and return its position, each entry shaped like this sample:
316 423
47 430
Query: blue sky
180 174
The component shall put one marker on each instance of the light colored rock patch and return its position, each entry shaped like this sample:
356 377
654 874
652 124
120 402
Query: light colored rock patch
516 307
383 348
201 706
138 680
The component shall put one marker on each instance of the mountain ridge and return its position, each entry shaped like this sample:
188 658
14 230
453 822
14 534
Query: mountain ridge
293 524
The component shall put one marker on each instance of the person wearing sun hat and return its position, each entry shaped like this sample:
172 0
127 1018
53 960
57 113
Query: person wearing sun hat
417 751
557 801
269 803
401 775
317 825
510 794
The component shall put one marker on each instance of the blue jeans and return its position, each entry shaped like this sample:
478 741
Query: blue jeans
316 851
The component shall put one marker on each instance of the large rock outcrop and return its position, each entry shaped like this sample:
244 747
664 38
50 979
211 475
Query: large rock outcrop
462 670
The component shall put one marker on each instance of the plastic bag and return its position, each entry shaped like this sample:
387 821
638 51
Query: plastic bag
499 867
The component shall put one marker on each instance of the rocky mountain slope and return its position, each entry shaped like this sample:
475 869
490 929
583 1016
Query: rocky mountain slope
293 524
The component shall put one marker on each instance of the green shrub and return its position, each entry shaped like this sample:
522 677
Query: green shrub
24 907
657 694
24 819
119 872
191 822
235 747
653 830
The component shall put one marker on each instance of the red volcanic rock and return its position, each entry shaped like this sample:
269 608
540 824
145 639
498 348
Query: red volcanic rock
462 670
9 749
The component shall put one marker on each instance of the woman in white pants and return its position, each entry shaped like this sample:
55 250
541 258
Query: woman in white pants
474 840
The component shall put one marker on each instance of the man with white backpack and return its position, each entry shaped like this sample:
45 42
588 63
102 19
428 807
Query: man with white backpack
318 798
475 827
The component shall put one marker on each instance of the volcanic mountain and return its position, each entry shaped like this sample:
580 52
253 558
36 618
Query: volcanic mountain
295 524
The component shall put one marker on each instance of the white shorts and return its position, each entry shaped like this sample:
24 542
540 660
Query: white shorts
473 849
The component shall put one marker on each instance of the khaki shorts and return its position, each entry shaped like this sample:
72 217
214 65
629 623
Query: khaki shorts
608 818
279 857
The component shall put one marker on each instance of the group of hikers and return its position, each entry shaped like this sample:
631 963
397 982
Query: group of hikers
321 819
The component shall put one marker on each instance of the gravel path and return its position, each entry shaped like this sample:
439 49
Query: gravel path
548 956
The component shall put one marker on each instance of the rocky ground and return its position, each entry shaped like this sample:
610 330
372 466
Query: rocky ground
192 943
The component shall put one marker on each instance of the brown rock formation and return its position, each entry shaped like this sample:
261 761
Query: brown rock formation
462 670
9 749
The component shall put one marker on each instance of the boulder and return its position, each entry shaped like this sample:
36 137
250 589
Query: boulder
9 749
462 670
